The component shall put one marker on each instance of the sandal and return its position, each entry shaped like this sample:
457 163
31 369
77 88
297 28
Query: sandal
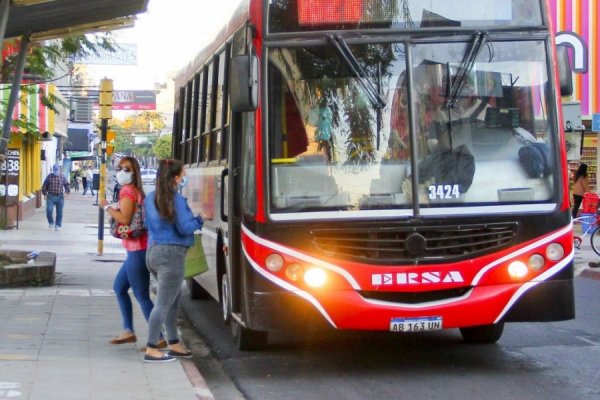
122 340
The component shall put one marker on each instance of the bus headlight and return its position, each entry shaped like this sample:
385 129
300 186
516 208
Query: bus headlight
274 262
294 272
315 277
536 262
555 252
517 270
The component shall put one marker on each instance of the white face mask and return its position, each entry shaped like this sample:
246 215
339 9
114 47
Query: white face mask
124 178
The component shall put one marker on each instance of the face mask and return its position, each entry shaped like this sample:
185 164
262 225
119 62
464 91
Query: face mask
183 182
124 178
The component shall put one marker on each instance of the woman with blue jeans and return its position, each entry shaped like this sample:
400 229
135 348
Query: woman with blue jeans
133 273
171 226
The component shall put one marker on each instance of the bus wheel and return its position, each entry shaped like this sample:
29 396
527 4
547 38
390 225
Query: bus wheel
483 333
197 292
248 339
225 299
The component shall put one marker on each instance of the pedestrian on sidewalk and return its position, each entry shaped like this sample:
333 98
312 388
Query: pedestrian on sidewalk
84 182
171 226
89 179
54 188
133 273
580 187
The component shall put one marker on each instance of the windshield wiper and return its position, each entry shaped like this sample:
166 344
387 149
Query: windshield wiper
465 67
352 63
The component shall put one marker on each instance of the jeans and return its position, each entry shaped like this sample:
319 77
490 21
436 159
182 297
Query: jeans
59 202
88 185
133 274
165 263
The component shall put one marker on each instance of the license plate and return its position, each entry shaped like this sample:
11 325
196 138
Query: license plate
420 324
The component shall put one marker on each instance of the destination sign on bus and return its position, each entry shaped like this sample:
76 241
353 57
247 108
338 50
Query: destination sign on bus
412 14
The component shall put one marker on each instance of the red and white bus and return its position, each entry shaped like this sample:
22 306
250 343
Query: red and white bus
380 165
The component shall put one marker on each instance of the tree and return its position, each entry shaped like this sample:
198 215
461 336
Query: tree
144 122
40 65
162 147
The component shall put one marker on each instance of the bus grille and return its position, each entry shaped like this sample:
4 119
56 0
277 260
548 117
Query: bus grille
397 245
415 297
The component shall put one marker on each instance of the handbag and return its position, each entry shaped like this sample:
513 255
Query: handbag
195 260
134 229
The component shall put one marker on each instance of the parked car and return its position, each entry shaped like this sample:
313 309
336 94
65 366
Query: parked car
148 176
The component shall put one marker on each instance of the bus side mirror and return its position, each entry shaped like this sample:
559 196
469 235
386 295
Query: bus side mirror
565 73
243 83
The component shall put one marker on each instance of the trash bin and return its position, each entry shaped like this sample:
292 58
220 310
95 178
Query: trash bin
589 205
587 220
96 182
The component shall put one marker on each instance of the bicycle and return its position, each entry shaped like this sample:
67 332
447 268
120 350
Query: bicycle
593 230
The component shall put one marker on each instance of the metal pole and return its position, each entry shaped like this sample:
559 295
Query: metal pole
105 103
102 189
4 12
14 93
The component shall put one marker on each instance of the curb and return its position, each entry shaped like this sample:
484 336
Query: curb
200 387
590 274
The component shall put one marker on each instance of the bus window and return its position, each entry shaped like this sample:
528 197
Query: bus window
331 148
470 142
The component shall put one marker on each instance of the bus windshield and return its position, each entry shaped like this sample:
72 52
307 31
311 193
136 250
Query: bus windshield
306 15
481 134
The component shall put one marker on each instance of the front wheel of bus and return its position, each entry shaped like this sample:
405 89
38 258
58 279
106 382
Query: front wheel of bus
225 299
483 333
248 339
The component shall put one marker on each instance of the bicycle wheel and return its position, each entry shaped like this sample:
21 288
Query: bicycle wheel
595 241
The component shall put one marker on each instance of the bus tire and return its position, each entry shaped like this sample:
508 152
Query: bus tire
595 241
225 299
197 292
247 339
483 333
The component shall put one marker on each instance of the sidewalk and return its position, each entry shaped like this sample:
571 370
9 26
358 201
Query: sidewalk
54 339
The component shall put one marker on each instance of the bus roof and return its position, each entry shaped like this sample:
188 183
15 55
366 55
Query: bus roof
240 16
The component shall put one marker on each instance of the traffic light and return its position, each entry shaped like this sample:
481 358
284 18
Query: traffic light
105 98
110 139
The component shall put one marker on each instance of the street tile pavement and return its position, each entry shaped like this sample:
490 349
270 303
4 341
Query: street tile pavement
54 339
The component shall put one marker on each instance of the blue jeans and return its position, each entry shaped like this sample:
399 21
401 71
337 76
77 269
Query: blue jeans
165 262
88 185
59 202
133 274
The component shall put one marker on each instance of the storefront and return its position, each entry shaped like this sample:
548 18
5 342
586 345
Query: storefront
34 155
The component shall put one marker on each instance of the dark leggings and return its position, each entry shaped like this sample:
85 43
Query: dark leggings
576 204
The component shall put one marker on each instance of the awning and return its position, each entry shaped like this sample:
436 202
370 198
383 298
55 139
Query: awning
55 18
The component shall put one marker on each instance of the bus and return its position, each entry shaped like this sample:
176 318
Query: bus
379 165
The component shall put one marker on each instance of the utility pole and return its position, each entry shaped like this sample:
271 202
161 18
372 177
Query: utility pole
105 102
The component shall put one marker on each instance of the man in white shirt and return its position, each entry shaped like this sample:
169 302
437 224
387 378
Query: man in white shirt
89 174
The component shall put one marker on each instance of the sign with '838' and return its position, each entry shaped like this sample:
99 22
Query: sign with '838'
9 178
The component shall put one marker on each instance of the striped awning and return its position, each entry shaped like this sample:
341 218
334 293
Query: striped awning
30 106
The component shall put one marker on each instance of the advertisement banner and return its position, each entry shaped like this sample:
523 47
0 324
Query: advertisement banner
131 100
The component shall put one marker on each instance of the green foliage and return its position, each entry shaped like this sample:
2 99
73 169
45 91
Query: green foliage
162 147
40 66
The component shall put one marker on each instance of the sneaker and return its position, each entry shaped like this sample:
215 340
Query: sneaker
51 226
594 264
177 354
58 228
161 359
